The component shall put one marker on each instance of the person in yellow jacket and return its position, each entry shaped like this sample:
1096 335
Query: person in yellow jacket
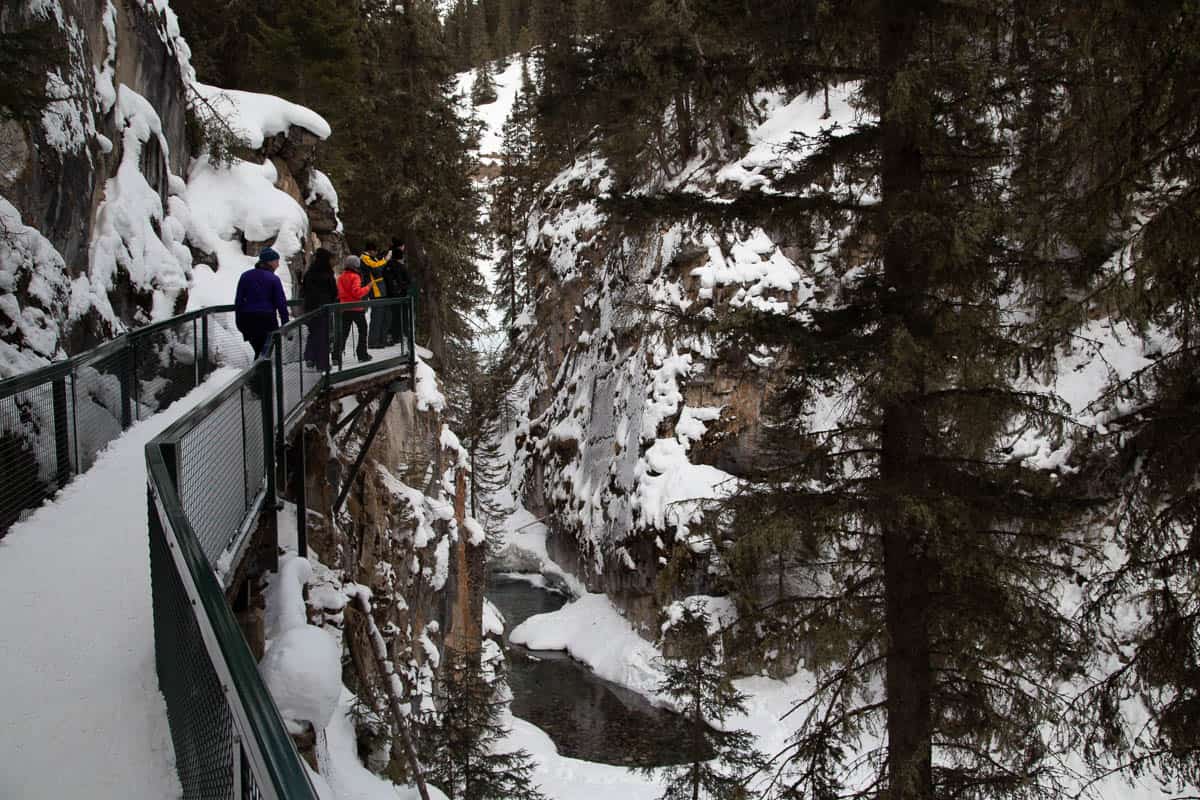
372 277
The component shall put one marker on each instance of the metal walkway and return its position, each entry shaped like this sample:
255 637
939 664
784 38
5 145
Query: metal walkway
211 477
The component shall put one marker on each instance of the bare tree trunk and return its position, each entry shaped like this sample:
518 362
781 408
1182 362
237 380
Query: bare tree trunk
387 678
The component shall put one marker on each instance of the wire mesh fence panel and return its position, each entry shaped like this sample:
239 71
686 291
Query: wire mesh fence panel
255 458
202 728
226 347
104 402
212 479
250 788
290 363
164 366
36 456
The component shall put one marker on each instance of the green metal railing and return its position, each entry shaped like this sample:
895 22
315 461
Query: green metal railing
55 420
211 483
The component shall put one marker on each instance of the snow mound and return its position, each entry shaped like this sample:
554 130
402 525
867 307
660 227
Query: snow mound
303 670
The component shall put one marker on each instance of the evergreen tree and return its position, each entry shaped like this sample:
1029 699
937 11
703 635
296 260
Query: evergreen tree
308 52
481 49
417 179
456 35
502 40
524 40
483 90
722 763
221 36
1144 607
913 544
513 194
458 743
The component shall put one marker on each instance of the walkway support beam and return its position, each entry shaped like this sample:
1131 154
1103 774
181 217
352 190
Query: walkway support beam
384 404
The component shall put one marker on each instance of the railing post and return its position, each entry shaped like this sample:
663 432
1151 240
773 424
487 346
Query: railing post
270 506
125 379
412 342
75 418
338 343
62 432
133 371
302 493
195 353
277 368
203 358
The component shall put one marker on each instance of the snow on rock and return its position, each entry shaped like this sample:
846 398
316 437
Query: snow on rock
671 490
493 620
429 396
133 233
303 664
780 139
229 204
303 670
449 441
320 187
34 317
766 279
256 117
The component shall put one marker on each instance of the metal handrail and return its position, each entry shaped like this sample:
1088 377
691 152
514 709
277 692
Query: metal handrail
58 369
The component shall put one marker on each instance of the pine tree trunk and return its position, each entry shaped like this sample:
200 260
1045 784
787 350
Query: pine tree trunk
908 671
697 738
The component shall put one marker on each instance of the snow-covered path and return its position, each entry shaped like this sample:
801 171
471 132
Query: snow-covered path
80 710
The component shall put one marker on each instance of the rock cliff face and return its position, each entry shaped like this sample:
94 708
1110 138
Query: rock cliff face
402 533
98 228
634 418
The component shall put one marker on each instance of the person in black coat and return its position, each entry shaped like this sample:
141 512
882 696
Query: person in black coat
319 289
398 286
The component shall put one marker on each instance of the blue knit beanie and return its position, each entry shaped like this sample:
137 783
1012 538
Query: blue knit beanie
267 255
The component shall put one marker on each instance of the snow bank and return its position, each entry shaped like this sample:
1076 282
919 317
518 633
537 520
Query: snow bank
566 778
594 632
337 754
256 117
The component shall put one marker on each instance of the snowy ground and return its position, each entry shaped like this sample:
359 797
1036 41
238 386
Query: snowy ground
83 716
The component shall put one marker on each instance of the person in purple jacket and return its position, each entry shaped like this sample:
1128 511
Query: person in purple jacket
259 299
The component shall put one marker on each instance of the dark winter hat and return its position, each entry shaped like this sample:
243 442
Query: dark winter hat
267 255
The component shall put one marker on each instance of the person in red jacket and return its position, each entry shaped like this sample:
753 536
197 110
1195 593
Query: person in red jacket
351 289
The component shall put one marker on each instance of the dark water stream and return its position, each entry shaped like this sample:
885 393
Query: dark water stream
585 716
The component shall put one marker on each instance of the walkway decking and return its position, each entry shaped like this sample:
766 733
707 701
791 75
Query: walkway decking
82 712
